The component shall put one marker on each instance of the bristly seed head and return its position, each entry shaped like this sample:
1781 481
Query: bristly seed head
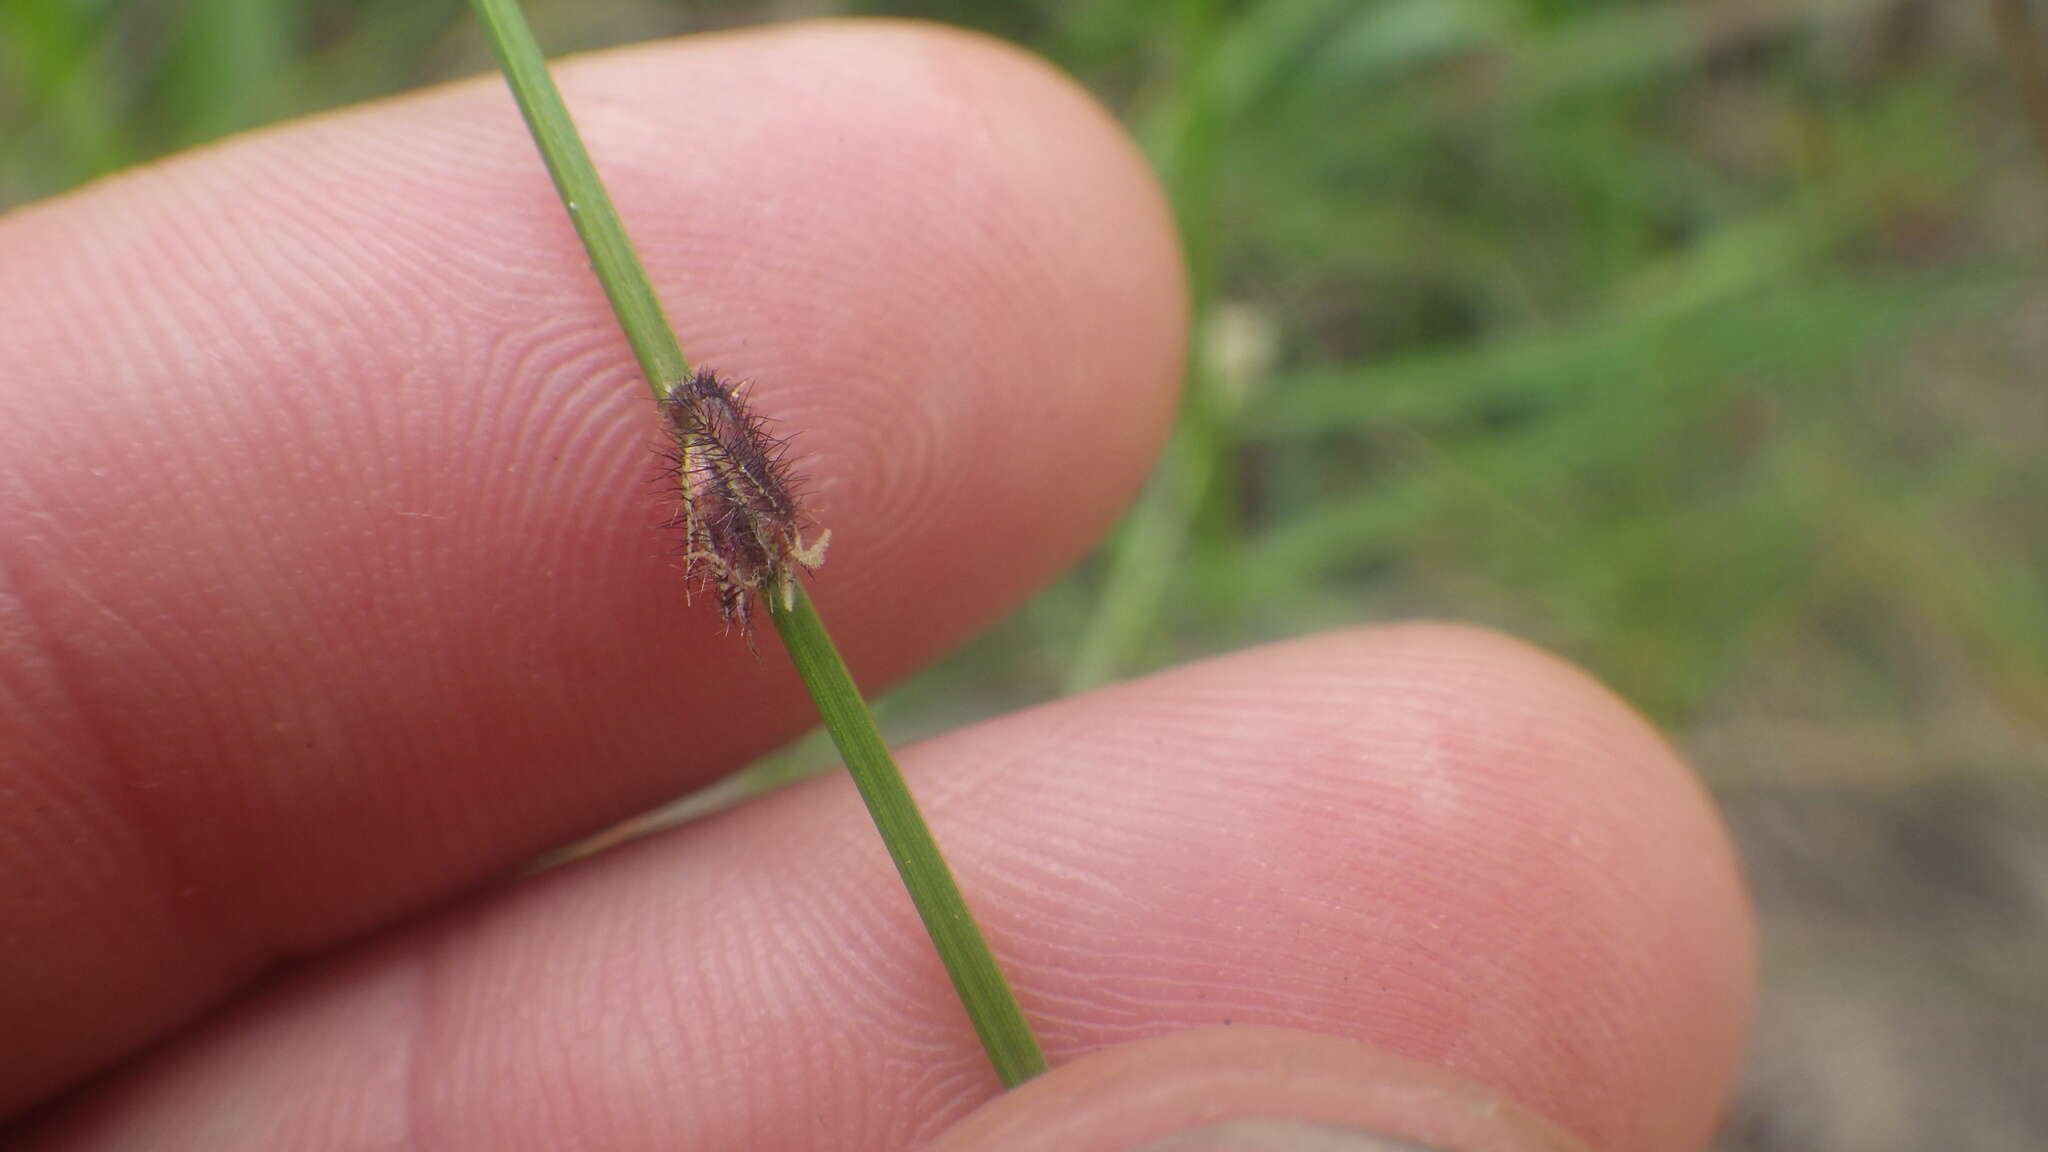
741 507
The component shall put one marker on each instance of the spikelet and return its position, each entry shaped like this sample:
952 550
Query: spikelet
740 504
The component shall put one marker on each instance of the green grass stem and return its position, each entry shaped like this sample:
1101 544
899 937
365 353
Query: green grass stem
990 1005
997 1019
590 208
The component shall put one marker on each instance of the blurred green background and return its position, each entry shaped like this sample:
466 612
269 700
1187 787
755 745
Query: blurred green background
1699 341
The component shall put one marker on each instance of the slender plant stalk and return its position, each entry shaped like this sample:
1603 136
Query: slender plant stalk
988 1000
590 207
976 979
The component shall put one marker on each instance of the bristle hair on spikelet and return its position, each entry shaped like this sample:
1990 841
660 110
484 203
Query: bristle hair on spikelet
740 503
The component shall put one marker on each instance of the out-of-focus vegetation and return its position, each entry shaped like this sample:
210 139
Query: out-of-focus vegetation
1691 339
1700 340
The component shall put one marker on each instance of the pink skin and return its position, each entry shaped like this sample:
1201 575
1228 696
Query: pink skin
314 617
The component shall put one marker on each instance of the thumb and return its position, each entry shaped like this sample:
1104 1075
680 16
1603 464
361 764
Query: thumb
1250 1090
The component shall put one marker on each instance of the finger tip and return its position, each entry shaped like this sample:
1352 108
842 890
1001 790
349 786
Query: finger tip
1439 840
1605 865
1630 808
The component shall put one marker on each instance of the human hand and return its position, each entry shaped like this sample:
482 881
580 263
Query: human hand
326 600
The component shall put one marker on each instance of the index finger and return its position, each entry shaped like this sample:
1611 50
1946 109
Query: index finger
331 580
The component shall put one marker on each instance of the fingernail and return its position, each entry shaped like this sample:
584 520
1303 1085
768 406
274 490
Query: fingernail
1277 1136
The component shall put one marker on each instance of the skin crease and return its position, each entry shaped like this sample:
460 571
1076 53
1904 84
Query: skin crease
250 712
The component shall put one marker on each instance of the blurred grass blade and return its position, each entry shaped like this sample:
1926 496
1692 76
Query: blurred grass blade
227 68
